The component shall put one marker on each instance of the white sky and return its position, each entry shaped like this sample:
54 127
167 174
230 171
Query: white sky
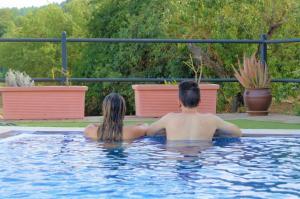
26 3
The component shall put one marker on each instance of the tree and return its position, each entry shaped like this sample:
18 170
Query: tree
128 19
245 19
37 59
198 19
7 19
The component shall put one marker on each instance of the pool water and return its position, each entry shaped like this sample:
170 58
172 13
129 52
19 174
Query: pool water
67 165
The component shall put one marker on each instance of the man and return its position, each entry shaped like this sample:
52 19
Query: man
190 124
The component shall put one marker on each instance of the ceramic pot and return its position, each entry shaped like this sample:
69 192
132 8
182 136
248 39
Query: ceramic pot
258 101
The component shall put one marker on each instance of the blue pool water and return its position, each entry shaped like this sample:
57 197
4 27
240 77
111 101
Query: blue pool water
66 165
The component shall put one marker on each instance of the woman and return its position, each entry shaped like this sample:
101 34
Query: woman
111 129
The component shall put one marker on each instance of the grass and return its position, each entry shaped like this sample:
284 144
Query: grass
65 123
251 124
242 123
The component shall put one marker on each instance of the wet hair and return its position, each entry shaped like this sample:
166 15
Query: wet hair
189 94
114 109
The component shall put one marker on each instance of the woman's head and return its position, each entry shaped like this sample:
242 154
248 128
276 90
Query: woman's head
113 108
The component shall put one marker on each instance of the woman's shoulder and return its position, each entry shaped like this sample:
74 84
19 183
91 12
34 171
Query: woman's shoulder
91 131
92 127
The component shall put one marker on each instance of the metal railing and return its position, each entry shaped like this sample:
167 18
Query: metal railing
262 42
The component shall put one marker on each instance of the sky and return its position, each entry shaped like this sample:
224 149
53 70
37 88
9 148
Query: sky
26 3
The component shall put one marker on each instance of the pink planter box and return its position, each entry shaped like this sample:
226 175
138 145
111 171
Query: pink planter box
43 102
156 100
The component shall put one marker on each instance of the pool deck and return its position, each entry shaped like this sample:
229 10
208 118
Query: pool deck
227 116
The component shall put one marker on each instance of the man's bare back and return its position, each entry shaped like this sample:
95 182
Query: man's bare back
192 125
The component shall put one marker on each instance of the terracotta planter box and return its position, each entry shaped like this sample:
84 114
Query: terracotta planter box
43 102
156 100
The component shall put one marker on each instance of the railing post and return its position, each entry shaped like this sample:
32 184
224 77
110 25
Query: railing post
263 49
64 57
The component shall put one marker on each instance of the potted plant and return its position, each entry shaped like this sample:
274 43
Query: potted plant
156 100
254 77
22 100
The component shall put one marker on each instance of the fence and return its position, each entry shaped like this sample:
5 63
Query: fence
263 42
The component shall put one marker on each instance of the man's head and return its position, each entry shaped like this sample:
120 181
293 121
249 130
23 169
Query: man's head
189 94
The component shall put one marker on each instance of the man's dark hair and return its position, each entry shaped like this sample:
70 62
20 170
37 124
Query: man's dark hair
189 94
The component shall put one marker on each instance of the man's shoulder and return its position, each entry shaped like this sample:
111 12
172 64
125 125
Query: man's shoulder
168 115
209 116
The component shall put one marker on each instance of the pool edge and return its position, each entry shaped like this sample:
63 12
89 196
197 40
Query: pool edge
245 132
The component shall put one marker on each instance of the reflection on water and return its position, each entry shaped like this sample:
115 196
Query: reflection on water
187 161
68 165
187 149
115 154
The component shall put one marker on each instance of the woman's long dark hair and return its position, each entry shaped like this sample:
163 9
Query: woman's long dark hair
114 109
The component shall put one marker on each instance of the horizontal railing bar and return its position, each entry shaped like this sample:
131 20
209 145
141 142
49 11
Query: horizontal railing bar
277 41
30 40
120 40
286 80
157 80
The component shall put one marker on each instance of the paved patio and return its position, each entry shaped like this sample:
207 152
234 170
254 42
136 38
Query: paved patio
271 117
226 116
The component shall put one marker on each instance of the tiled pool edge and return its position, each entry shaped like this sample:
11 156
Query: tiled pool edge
270 132
246 132
23 128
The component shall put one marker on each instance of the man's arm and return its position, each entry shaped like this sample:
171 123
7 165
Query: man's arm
132 132
227 128
157 126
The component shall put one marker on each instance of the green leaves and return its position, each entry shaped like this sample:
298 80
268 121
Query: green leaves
198 19
37 59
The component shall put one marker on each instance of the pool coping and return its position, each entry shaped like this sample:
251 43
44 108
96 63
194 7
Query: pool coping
245 132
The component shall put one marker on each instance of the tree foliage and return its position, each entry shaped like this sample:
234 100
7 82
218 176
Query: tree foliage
128 19
37 59
198 19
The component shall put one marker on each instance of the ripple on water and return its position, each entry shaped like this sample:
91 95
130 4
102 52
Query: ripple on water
62 165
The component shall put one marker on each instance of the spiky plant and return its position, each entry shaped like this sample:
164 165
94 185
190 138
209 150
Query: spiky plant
10 79
18 79
253 73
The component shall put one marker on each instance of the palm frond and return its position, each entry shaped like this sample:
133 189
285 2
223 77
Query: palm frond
253 73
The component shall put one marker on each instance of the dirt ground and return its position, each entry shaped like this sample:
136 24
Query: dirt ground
283 108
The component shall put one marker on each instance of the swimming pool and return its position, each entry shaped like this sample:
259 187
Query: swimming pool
67 165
